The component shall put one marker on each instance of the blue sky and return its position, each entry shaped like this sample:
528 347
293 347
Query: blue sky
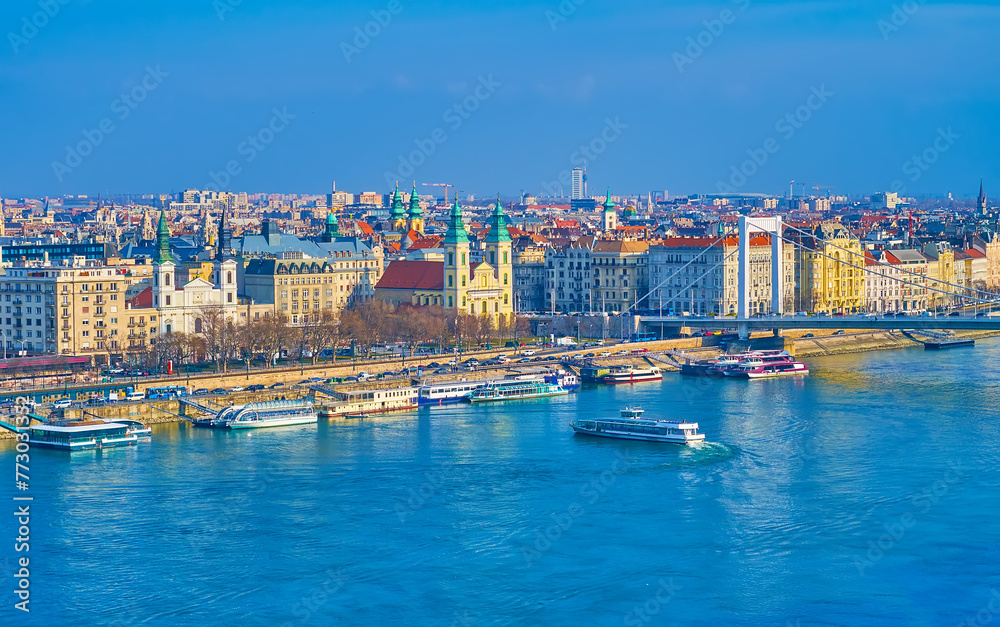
560 76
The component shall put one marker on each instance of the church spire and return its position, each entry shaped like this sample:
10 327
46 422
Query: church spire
498 225
456 228
609 205
981 203
163 240
415 210
225 238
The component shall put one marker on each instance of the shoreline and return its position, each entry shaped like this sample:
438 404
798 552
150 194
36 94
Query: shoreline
801 347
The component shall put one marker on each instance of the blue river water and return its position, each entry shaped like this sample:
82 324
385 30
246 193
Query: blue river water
866 494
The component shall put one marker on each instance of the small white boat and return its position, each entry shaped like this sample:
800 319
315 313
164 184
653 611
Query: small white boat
764 370
631 374
267 414
632 426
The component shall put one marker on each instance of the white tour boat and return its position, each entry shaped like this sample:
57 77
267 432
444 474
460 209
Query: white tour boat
632 426
452 392
267 414
80 435
631 374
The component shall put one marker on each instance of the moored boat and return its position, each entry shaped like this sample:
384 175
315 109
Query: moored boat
267 414
631 374
516 389
632 426
80 435
444 393
756 369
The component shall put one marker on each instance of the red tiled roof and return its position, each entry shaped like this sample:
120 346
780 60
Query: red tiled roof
413 275
975 254
426 242
366 228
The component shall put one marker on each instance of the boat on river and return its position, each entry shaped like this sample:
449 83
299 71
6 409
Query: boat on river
632 426
516 389
631 374
266 414
80 435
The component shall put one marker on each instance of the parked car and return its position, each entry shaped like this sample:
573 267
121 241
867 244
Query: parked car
201 392
277 385
236 388
62 403
528 353
808 335
841 332
256 387
219 391
434 364
94 401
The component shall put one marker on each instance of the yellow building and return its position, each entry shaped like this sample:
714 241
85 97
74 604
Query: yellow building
940 272
484 288
829 274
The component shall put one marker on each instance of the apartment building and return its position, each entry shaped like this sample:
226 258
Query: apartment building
568 280
620 274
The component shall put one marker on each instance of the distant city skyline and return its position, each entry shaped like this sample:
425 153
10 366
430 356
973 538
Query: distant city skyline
695 97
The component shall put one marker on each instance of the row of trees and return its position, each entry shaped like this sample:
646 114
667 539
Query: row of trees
361 327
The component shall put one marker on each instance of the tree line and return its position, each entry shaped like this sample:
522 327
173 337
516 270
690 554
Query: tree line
361 328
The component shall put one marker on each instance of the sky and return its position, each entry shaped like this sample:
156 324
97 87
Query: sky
119 96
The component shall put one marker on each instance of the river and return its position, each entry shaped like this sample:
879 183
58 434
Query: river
865 494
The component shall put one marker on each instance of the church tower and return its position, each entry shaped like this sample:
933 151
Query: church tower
397 213
332 230
981 203
164 284
225 263
610 217
499 254
415 218
456 261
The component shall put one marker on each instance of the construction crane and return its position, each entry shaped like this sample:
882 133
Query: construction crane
444 185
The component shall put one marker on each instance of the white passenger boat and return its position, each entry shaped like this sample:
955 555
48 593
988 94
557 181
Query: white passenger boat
80 435
516 389
632 426
631 374
762 369
443 393
267 414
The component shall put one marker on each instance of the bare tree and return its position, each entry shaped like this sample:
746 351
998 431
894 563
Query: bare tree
323 332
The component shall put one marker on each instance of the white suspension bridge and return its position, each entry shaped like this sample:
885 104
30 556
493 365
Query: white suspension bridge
973 316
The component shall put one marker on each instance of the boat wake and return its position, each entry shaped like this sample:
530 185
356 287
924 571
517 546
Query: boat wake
702 454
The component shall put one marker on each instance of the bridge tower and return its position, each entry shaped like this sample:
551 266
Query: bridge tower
748 227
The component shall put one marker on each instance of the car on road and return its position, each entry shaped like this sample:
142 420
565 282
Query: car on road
200 392
236 388
277 385
841 332
94 401
808 335
256 387
590 355
62 403
434 364
219 391
442 371
528 353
